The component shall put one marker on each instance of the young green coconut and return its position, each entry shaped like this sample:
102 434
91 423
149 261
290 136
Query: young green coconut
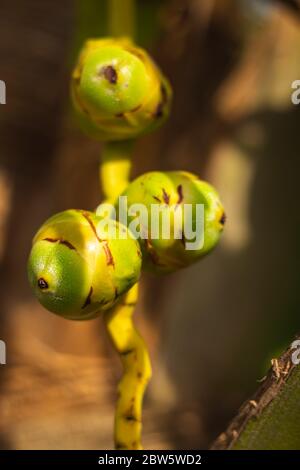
177 197
77 270
118 91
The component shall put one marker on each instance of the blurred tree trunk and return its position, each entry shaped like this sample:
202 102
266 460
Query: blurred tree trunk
34 48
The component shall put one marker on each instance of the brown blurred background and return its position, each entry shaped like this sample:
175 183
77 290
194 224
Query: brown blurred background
212 328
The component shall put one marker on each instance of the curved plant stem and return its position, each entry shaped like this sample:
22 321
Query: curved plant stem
137 371
121 17
114 178
115 168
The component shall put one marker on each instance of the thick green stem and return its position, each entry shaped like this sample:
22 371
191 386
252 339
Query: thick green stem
121 18
270 420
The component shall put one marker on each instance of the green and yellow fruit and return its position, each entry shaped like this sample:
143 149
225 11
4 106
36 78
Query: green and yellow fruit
77 270
172 193
118 92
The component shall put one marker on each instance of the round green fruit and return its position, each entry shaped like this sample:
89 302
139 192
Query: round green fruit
77 270
178 200
118 92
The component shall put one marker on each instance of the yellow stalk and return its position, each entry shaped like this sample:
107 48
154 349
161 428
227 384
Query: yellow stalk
115 169
137 371
121 15
114 178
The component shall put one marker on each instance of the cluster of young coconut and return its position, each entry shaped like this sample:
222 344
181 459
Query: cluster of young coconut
76 268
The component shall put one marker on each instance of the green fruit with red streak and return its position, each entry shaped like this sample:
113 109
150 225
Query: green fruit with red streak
118 92
76 269
172 191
